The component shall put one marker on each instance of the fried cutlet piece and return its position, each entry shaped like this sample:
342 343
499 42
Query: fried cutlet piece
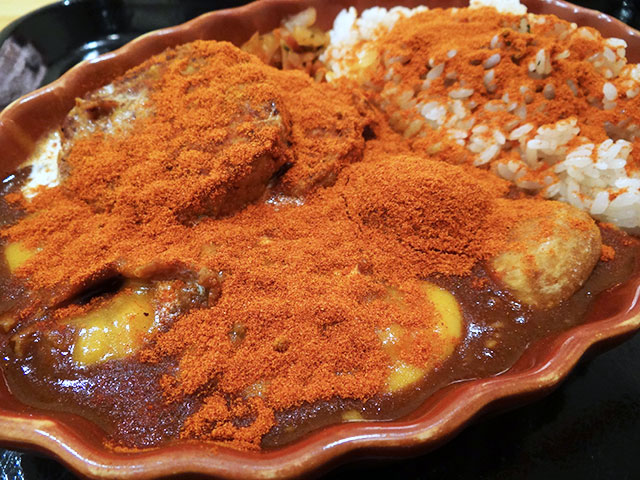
205 120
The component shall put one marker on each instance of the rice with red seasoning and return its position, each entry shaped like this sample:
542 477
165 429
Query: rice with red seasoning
557 159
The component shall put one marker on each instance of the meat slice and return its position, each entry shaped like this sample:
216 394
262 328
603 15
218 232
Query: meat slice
329 127
549 256
198 131
111 110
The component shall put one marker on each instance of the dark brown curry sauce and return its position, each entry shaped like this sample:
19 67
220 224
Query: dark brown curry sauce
123 397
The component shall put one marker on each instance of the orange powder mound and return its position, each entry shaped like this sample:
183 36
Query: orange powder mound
608 253
323 138
201 184
419 206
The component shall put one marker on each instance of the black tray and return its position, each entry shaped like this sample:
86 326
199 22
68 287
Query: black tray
589 428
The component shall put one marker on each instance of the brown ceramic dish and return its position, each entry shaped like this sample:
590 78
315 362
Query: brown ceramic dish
78 443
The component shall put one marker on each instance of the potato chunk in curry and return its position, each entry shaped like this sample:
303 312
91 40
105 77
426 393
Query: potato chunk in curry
548 258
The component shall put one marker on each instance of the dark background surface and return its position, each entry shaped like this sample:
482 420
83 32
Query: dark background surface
588 428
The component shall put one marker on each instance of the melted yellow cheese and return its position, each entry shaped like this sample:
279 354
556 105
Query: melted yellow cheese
7 322
449 310
402 375
352 416
17 254
115 330
447 328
